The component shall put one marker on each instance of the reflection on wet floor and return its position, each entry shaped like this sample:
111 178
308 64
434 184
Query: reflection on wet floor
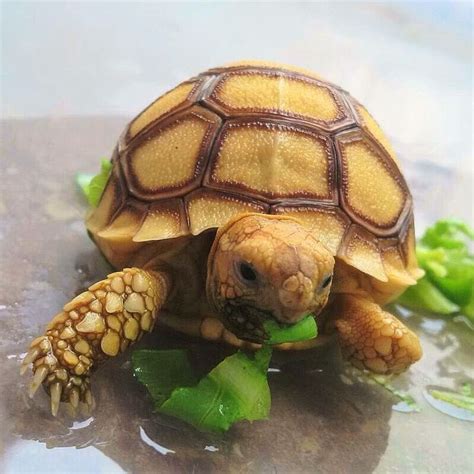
312 411
323 414
457 407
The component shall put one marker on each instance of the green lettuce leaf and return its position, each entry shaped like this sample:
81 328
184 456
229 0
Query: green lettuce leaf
457 399
425 295
301 331
93 186
163 371
236 389
448 286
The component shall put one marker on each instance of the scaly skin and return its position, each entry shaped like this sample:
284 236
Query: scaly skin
293 269
97 324
373 339
370 338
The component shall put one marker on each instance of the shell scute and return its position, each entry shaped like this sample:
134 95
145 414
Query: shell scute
164 220
361 250
281 94
373 191
113 197
393 262
329 223
272 161
115 240
372 128
208 209
169 161
176 99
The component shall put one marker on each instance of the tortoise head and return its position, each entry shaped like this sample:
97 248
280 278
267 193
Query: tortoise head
264 266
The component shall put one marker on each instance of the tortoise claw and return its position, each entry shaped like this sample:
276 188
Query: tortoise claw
57 379
30 357
39 377
55 392
74 398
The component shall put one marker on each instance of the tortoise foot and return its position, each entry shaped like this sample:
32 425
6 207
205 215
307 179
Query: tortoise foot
95 325
373 339
61 385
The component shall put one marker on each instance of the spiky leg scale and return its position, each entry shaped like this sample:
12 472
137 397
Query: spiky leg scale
98 323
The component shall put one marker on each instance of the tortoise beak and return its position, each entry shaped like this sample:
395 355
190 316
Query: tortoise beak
246 321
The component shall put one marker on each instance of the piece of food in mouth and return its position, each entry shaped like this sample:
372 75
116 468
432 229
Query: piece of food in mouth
256 186
301 331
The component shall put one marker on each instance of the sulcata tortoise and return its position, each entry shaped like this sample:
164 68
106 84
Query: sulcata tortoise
252 191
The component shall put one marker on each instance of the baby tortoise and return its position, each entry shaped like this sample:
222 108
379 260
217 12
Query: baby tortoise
251 191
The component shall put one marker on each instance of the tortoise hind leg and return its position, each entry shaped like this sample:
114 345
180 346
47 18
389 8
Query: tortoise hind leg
97 324
372 338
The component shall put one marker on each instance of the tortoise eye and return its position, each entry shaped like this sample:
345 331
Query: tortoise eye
326 281
247 272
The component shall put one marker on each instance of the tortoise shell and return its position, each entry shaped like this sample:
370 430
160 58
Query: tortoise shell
267 138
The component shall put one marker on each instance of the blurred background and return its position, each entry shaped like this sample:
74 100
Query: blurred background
410 63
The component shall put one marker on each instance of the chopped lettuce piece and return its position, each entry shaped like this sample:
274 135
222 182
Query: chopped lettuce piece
448 286
425 295
301 331
93 186
448 234
163 371
234 390
84 180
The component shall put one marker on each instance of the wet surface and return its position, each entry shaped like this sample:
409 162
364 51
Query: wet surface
325 417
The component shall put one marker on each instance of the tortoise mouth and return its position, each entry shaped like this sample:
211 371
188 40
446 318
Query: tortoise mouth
246 321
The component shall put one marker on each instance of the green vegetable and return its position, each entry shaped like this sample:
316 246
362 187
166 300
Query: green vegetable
93 186
425 295
162 371
448 286
301 331
234 390
237 389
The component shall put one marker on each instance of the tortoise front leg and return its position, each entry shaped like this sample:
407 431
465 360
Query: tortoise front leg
372 338
95 325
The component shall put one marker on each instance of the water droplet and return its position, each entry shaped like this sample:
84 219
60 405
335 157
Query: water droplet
153 444
78 425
